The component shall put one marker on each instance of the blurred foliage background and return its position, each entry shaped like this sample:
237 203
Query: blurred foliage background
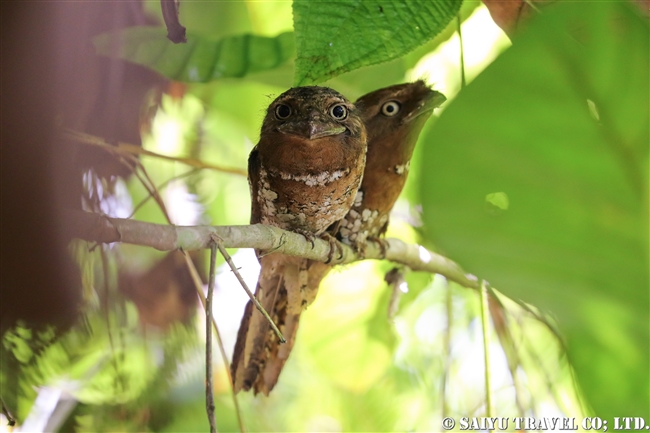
533 176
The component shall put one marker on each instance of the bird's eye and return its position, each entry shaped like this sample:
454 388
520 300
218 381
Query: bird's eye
339 112
282 111
390 108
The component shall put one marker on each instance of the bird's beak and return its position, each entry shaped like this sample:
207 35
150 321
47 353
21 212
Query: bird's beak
428 104
312 130
319 130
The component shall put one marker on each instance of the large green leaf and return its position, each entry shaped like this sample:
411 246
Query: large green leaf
201 59
339 36
558 126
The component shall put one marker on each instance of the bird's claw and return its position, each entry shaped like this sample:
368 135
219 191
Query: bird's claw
309 236
383 245
334 245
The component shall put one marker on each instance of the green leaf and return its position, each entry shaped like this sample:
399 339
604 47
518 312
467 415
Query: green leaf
337 37
558 125
201 59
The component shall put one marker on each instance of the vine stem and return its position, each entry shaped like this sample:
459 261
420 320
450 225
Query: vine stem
486 346
463 83
447 344
209 391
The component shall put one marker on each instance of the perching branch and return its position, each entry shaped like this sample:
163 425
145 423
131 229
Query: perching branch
102 229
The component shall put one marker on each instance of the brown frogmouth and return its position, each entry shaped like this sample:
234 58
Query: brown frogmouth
394 117
304 175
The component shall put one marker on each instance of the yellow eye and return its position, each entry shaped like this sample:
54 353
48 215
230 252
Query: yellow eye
390 108
282 111
339 112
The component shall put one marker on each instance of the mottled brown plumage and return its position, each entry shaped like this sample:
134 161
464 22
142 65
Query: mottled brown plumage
394 117
304 174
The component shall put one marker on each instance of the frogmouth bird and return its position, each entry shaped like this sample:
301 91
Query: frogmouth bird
304 175
394 117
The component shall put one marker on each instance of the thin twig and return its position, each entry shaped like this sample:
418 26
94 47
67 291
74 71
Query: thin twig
11 421
552 382
199 288
106 309
486 347
148 184
395 280
161 186
500 317
209 392
532 6
226 364
131 149
463 83
261 309
542 318
447 345
153 191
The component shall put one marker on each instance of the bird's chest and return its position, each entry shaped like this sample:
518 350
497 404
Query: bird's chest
307 201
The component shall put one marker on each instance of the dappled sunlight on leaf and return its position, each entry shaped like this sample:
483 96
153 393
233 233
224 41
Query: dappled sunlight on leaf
575 232
382 32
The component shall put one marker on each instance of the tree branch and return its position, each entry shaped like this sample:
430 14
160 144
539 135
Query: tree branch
131 149
102 229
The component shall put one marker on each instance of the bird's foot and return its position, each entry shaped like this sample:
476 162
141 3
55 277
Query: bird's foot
334 245
383 245
309 236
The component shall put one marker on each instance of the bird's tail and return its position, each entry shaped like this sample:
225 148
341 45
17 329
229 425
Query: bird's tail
284 291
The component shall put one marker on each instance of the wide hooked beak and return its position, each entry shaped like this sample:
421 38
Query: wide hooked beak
312 130
428 104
